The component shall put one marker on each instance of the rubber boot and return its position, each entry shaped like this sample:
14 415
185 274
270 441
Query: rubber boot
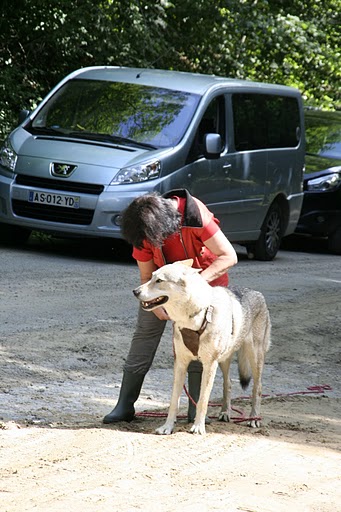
130 391
194 385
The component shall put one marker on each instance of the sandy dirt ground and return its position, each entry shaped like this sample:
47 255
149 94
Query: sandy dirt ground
67 316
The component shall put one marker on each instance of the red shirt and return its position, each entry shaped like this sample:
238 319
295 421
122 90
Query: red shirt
198 225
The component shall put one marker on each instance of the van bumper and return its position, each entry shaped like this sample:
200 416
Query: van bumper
295 204
100 215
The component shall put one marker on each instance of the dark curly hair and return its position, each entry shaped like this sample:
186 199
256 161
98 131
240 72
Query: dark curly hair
150 217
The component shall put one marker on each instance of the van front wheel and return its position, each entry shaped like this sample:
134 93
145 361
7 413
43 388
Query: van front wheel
267 245
13 234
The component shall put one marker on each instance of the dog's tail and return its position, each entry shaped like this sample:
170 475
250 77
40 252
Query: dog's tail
244 367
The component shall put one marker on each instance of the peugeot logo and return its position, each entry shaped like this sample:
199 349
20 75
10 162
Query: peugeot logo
62 170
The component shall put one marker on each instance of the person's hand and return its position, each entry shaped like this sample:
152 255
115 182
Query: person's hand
161 313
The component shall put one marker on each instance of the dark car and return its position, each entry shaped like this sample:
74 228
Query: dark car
321 209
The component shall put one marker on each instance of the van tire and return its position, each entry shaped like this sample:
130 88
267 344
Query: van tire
14 234
267 245
334 242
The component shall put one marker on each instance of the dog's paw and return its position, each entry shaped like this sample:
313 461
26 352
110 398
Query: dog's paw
224 416
164 430
198 428
254 423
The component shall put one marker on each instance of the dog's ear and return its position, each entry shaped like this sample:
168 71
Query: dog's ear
188 262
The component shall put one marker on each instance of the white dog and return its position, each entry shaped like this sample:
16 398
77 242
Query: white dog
210 324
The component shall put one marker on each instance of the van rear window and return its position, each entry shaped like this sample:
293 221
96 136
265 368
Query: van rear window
148 115
265 121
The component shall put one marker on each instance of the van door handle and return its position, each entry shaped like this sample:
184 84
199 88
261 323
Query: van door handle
226 168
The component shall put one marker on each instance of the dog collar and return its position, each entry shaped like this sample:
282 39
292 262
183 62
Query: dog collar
207 320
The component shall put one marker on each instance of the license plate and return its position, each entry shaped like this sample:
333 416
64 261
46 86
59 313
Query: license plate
53 199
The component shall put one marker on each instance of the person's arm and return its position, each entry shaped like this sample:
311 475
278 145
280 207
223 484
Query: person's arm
227 257
146 269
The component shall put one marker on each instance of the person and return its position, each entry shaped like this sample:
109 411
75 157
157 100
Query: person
163 229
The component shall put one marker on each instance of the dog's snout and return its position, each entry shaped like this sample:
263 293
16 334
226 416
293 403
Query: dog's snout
136 292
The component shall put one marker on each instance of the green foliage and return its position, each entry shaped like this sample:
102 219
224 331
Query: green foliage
294 42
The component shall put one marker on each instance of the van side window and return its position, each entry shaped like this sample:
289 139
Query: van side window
265 121
213 121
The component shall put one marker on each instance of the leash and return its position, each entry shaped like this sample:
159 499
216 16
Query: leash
191 339
239 419
311 390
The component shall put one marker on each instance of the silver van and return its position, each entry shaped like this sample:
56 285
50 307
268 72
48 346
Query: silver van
105 135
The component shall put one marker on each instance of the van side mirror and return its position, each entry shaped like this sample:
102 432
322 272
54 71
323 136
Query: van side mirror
212 146
23 114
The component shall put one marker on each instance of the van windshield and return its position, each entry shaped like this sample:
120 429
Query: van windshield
117 112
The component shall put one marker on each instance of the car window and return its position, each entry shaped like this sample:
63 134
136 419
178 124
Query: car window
265 121
323 133
213 121
150 115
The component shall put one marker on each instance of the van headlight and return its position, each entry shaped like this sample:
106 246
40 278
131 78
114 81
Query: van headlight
138 173
324 183
8 157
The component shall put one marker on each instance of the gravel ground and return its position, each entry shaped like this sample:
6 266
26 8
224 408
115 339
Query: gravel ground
67 316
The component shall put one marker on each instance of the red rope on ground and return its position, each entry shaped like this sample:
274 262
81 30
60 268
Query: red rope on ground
311 390
241 418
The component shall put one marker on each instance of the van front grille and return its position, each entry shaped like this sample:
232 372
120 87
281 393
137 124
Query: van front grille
80 216
61 185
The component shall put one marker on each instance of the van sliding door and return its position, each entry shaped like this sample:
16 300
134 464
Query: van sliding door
210 179
233 185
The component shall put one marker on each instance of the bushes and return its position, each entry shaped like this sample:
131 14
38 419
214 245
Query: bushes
294 43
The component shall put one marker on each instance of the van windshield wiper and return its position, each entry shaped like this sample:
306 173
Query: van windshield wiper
112 138
47 130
